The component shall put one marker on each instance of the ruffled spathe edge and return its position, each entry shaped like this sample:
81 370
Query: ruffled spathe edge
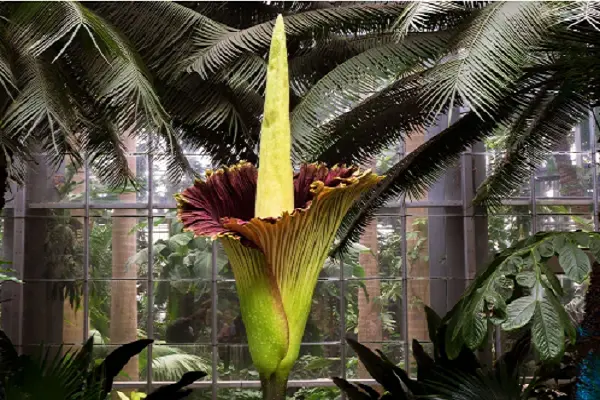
227 196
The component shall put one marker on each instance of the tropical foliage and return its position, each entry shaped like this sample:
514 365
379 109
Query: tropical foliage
520 288
73 374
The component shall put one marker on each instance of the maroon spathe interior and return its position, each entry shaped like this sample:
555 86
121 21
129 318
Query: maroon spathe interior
231 193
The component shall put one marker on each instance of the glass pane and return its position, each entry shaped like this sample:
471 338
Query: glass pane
318 362
506 227
134 370
374 310
164 188
564 175
170 362
45 304
235 363
118 245
65 184
118 310
488 162
550 222
100 193
182 311
54 244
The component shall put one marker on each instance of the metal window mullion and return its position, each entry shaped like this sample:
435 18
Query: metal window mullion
150 272
18 256
213 330
592 133
86 249
534 226
404 250
343 322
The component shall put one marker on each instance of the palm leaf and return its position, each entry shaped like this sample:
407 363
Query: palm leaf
376 124
170 40
351 84
114 73
7 78
574 13
549 122
418 15
422 167
43 110
313 62
487 55
218 49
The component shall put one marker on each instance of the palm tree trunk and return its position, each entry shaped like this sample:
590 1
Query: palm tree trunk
123 306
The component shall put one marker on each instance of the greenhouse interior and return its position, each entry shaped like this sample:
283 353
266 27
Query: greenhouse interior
290 200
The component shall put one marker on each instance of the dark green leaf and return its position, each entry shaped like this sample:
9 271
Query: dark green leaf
475 331
574 261
519 313
526 279
546 249
547 331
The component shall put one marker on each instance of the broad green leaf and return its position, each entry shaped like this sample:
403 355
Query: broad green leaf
575 262
475 331
181 239
558 242
595 247
582 238
158 247
547 332
552 279
512 264
546 249
526 279
565 320
519 313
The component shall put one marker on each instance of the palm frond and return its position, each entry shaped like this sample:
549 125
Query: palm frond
43 110
418 15
217 119
376 124
575 13
170 40
553 118
216 50
100 139
312 62
487 55
421 168
352 83
7 78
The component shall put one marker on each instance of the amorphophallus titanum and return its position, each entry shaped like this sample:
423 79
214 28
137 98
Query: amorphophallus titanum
276 228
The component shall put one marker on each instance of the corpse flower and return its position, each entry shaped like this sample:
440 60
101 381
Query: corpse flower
276 228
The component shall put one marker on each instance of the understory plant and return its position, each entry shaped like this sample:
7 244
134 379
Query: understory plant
59 374
276 227
440 377
521 288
